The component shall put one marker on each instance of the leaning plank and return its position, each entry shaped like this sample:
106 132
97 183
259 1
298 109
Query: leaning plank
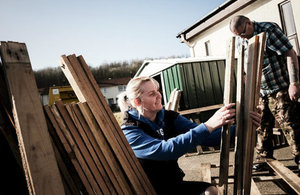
239 130
85 148
102 147
205 172
65 131
171 100
38 157
83 82
254 188
228 96
202 109
254 66
68 148
286 174
249 102
95 151
176 101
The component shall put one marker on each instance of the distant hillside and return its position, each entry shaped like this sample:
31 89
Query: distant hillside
54 76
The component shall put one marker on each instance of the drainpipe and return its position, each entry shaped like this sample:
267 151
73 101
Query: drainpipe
191 46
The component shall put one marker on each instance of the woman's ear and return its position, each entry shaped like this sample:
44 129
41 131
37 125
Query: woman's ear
137 101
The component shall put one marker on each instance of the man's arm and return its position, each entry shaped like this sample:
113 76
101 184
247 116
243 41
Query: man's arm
293 69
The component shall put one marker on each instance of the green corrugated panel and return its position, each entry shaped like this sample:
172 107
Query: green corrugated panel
191 86
175 76
200 91
207 82
185 104
221 67
166 83
216 82
171 79
179 72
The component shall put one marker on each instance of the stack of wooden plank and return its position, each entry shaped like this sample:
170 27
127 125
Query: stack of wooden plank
102 150
246 101
86 152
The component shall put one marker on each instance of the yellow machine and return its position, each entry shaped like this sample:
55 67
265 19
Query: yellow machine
64 93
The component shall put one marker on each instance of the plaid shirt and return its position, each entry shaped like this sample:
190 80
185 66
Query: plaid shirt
275 75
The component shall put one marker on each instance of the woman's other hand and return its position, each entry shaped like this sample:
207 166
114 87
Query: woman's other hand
221 117
256 116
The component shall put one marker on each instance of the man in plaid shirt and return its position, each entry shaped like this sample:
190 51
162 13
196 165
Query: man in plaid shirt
280 87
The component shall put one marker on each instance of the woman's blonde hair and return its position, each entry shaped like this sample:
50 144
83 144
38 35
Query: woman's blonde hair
133 91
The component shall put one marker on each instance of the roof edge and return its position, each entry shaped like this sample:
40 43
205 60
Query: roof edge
223 11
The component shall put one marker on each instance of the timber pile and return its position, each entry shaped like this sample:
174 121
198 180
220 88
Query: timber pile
104 160
77 148
246 101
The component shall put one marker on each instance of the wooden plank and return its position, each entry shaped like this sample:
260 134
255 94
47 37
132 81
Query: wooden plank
76 150
171 99
176 101
286 174
94 148
268 178
38 157
254 66
202 109
254 188
228 93
68 148
83 81
85 147
69 183
249 102
239 130
102 145
205 172
96 169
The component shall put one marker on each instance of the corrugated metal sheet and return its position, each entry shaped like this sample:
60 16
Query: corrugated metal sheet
202 84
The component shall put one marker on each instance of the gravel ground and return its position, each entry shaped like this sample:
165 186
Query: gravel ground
191 166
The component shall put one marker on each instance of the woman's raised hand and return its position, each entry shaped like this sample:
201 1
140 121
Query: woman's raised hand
221 117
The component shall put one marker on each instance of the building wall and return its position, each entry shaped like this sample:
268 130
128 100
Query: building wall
112 92
262 10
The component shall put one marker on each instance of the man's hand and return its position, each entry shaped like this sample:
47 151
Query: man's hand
294 92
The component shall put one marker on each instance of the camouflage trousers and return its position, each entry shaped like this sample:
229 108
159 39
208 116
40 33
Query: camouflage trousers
278 107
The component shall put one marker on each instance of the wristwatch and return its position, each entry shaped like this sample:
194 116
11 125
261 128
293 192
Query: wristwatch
297 83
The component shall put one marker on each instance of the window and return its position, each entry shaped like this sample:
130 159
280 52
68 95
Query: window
110 101
288 24
122 87
207 48
104 90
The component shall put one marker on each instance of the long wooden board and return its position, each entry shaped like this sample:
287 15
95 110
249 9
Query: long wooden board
286 174
239 130
228 98
254 65
38 156
68 148
102 147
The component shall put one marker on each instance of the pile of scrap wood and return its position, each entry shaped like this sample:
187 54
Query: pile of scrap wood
76 148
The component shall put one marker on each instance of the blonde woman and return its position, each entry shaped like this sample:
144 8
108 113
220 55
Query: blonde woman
159 137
